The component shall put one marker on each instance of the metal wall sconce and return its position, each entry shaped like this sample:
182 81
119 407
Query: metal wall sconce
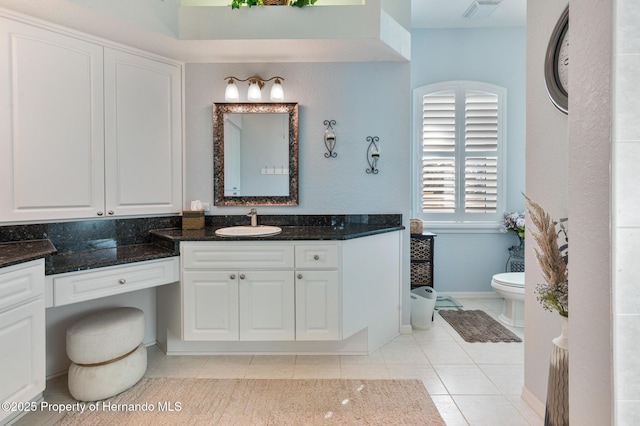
373 154
254 94
330 139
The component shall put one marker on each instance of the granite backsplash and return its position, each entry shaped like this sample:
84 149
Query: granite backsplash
110 233
90 234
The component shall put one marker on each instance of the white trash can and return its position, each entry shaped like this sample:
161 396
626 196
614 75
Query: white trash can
423 302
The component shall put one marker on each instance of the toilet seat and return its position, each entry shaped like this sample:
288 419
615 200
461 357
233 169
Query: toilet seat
510 279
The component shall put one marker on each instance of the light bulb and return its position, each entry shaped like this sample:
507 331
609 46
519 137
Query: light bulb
231 92
254 94
277 92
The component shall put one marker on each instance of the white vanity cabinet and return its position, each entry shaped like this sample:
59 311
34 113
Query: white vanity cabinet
284 296
22 334
266 292
88 129
235 291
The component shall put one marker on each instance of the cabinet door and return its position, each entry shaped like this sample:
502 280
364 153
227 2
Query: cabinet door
22 351
51 125
267 309
143 134
317 305
210 305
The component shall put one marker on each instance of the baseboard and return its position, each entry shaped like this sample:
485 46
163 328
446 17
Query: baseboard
470 294
533 402
406 329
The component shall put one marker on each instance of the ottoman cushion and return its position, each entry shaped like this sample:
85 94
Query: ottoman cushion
105 335
104 381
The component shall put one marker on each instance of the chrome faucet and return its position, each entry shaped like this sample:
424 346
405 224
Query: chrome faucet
253 214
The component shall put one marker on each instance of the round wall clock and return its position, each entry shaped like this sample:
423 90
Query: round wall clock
556 64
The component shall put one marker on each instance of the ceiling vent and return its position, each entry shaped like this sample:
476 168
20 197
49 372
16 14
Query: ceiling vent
481 9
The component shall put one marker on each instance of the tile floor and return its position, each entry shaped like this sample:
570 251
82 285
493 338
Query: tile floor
470 383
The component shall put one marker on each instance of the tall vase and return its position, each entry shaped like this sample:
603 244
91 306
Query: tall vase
557 410
521 246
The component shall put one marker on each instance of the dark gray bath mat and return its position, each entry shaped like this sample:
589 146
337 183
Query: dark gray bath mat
478 326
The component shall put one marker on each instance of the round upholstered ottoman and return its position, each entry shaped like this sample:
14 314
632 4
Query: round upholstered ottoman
106 352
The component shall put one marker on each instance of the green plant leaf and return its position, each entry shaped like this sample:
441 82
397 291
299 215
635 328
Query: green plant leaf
302 3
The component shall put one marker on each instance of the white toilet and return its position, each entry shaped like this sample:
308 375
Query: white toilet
510 285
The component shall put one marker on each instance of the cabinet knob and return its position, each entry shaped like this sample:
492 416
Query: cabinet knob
299 276
122 281
316 257
110 212
100 213
232 276
242 276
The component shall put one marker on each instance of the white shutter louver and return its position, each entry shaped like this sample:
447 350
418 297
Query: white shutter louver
481 148
438 152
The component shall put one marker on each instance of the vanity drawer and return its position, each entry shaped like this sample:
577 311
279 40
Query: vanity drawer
19 283
232 256
80 286
317 256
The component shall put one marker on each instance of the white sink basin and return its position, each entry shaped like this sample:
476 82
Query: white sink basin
248 231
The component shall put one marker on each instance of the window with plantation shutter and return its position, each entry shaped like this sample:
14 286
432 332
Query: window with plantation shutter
459 150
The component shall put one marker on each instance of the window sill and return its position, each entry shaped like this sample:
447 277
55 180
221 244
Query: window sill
443 227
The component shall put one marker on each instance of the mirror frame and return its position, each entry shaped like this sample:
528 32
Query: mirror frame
219 109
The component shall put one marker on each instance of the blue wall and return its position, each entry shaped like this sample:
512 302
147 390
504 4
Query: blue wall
365 99
465 262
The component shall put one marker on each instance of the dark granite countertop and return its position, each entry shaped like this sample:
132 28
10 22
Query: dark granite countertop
83 245
89 259
16 252
289 233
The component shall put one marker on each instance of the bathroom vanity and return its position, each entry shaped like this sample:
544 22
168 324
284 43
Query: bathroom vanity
326 284
308 289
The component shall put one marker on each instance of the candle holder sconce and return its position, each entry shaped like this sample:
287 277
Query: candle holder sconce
373 154
330 139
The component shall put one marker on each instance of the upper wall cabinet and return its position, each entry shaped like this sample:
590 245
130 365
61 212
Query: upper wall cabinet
85 130
143 134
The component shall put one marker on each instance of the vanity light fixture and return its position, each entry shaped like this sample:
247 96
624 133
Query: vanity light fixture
231 92
330 139
254 94
277 92
373 154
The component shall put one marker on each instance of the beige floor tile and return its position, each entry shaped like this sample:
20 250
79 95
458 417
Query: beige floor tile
448 410
315 371
273 359
277 371
426 373
223 371
465 380
527 412
230 359
371 372
446 353
436 334
489 410
495 353
508 378
318 359
403 353
372 359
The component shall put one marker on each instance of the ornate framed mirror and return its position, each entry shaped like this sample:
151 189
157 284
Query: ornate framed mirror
255 154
